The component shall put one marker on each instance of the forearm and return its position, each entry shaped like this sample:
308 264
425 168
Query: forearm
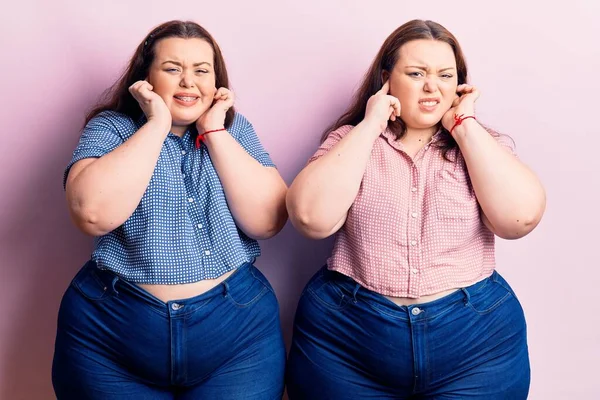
321 195
104 193
510 194
255 193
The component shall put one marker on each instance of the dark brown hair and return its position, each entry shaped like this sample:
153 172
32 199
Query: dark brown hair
117 97
385 60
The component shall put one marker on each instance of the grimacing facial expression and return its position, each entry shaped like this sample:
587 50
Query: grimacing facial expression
424 80
183 75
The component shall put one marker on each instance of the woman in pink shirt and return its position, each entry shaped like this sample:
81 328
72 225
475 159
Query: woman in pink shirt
415 190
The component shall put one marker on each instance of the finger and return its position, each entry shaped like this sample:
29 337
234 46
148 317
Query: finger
456 102
135 86
464 88
385 89
395 104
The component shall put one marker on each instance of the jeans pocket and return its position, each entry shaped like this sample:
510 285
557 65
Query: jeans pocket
489 297
327 293
249 290
88 283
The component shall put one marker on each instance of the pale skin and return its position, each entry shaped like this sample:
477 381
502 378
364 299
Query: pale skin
179 91
421 88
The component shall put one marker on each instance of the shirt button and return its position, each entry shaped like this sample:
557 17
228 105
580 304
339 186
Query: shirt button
191 200
207 252
199 226
414 215
176 306
183 152
415 271
415 311
413 189
413 243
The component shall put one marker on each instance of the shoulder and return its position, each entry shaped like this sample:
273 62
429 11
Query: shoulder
113 121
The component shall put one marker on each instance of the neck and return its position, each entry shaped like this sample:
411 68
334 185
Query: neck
420 135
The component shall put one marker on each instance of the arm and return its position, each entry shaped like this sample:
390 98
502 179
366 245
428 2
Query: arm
103 192
511 196
255 193
321 195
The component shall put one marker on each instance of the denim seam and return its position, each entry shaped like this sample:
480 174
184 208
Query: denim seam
493 306
314 296
385 313
105 295
260 295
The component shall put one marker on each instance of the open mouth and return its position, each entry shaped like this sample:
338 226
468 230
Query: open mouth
429 102
187 99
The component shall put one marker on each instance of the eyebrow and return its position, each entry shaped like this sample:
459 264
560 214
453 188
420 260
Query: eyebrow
181 65
425 68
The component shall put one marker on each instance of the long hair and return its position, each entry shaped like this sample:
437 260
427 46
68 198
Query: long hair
385 60
117 97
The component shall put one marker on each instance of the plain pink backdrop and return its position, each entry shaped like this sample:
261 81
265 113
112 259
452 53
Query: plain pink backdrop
293 66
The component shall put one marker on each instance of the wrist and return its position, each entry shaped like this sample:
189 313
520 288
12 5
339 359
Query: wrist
460 131
207 135
160 124
373 127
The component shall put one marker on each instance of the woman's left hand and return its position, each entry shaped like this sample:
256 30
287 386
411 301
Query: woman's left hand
464 105
214 117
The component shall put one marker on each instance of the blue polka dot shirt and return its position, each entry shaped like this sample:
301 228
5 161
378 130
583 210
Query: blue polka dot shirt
182 231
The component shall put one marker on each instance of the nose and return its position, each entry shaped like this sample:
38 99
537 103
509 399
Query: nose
430 84
187 80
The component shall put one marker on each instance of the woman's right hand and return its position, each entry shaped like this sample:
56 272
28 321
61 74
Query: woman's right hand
382 107
151 103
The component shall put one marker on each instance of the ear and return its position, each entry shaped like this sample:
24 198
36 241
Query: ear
385 75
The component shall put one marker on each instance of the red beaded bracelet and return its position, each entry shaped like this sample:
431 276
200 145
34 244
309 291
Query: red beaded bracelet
458 119
200 137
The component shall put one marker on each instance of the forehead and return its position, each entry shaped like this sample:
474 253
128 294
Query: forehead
179 49
433 53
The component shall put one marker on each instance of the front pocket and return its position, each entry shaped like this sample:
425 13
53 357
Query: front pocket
327 293
90 285
454 197
489 298
247 292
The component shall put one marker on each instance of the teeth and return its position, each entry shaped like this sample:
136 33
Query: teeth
186 98
429 103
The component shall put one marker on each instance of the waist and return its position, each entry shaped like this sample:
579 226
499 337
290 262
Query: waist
408 301
167 293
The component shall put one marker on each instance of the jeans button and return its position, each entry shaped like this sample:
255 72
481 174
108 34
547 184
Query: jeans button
176 306
415 311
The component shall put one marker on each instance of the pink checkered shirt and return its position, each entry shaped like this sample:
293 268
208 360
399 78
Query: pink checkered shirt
414 228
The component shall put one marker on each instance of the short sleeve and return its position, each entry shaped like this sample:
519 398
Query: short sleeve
332 139
100 136
243 131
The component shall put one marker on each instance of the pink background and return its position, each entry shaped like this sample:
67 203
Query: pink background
294 67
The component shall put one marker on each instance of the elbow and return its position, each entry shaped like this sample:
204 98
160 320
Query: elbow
88 221
519 228
303 222
265 226
268 230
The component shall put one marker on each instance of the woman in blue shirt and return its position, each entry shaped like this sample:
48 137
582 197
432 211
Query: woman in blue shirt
176 188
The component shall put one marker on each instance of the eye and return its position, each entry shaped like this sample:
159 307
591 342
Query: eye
201 71
415 74
172 70
447 76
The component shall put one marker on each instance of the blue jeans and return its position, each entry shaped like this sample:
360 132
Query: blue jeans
353 343
117 341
